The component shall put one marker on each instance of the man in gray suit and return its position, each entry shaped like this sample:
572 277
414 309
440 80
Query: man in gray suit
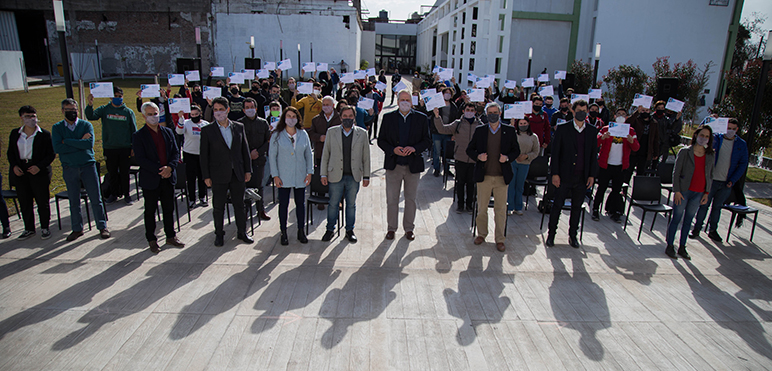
345 162
226 166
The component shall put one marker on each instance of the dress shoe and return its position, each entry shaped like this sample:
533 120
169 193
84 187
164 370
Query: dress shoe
683 253
245 238
713 235
302 236
390 235
6 233
111 200
695 234
104 233
460 210
670 251
500 246
573 242
410 235
436 173
218 240
328 236
154 248
174 241
74 235
595 215
264 216
479 240
351 236
25 235
284 239
202 202
128 200
616 217
550 240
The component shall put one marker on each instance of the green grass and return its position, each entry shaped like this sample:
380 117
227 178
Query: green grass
757 175
765 201
47 101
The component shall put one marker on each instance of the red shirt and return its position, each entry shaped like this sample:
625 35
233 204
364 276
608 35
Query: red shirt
698 178
160 145
540 126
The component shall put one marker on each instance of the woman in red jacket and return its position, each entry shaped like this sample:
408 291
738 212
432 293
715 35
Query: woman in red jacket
613 160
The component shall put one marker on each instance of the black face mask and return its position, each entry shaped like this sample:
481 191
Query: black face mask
594 114
564 109
580 115
195 119
548 105
234 91
255 88
71 115
645 115
660 112
197 93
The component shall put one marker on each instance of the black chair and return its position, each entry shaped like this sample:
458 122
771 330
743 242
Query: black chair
134 170
448 160
11 193
319 196
181 192
84 196
567 207
474 214
665 172
247 205
538 175
647 194
741 210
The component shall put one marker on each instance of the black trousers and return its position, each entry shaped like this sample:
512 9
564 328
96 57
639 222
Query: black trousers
300 207
256 182
164 193
4 210
118 161
220 196
615 203
465 184
372 131
574 188
31 188
640 164
194 175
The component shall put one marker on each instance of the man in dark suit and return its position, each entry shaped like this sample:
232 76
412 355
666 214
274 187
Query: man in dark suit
573 166
156 151
226 166
494 146
403 137
30 154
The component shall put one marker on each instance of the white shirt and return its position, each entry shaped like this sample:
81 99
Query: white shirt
192 133
329 118
579 129
615 154
25 143
293 137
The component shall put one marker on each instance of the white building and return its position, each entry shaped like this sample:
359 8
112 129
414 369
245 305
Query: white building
494 36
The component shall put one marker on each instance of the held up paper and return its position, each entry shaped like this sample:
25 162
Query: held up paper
717 124
434 101
544 77
347 77
476 95
546 91
446 73
150 90
471 77
193 75
436 69
513 111
370 72
595 93
285 64
360 74
400 86
510 84
365 103
179 104
674 105
305 88
428 92
309 67
176 79
217 71
527 82
102 89
576 97
321 67
263 74
560 75
482 83
211 92
618 130
269 66
248 74
642 100
380 86
236 77
415 100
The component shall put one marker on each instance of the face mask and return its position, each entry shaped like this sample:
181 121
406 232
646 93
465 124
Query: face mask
523 128
548 105
221 115
600 103
275 113
291 122
493 117
250 112
446 96
33 121
291 86
405 106
152 119
645 115
317 92
580 115
234 91
197 93
564 109
510 94
71 115
347 123
620 119
255 88
594 114
730 133
536 109
195 119
117 101
327 110
469 115
274 96
660 112
702 141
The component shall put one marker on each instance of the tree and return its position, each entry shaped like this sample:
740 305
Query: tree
363 64
692 80
622 83
582 76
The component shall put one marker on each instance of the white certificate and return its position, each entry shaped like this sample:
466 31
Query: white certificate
102 89
436 69
560 75
370 72
274 121
471 77
415 100
217 71
595 93
528 82
446 73
576 97
236 77
381 86
285 64
179 104
428 92
513 111
526 106
400 86
545 77
347 77
717 124
360 74
434 101
546 91
482 83
560 122
263 73
211 92
193 75
267 112
309 67
618 130
269 66
321 67
674 105
248 74
176 79
305 88
476 95
510 84
150 90
642 100
365 103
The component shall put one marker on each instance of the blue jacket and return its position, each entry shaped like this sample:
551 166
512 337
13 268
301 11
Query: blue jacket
290 164
146 154
73 151
739 161
362 117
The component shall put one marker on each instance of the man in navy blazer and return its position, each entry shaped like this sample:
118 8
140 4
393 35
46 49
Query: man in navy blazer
156 151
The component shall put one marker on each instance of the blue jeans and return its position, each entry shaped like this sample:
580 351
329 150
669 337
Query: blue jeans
686 210
348 188
439 148
516 186
86 177
719 192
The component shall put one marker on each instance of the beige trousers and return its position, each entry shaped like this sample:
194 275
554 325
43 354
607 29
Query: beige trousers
496 186
394 179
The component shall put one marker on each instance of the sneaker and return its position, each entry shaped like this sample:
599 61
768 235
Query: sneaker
252 194
192 204
6 233
470 210
111 200
510 212
695 233
104 233
436 173
595 215
128 200
616 217
45 234
713 235
519 212
202 202
670 251
25 235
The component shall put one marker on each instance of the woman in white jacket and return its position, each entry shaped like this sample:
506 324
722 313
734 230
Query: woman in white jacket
190 129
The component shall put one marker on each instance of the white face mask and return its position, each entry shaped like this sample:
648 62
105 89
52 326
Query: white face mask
291 121
317 92
405 106
152 119
620 119
221 115
30 121
251 112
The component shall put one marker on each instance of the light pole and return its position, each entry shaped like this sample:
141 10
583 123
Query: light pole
530 58
198 52
756 113
60 29
252 45
48 58
312 52
300 77
99 63
597 60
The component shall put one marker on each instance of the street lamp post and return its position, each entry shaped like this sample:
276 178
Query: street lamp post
756 113
60 29
300 76
99 63
597 61
252 45
530 58
198 52
48 59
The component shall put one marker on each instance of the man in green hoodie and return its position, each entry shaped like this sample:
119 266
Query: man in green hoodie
118 127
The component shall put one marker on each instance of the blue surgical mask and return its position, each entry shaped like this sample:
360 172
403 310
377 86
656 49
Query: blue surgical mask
117 101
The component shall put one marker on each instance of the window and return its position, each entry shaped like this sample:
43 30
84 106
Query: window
452 62
473 47
462 33
474 13
454 35
503 4
471 64
462 49
455 21
463 17
501 44
498 65
455 4
474 30
501 22
453 52
460 64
